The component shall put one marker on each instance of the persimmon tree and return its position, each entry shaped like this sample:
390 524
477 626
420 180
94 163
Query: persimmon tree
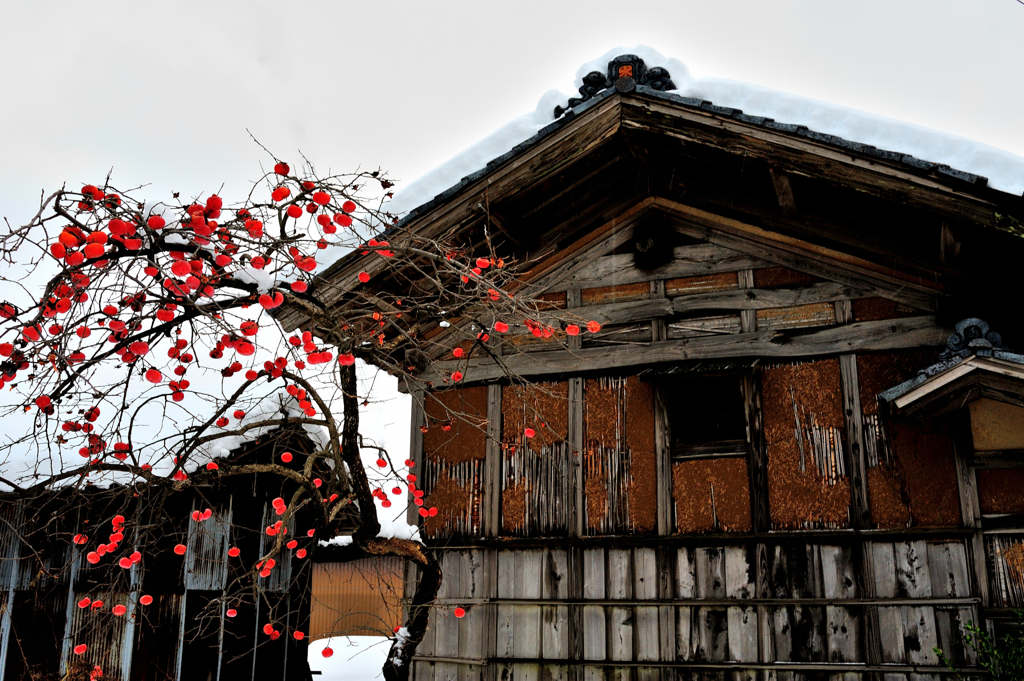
140 342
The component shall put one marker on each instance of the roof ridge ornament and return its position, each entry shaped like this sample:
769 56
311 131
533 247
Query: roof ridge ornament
625 73
971 337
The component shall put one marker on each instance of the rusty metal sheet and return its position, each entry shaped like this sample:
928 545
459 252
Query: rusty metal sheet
206 559
359 598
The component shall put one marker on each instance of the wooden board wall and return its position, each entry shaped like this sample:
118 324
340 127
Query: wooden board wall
646 611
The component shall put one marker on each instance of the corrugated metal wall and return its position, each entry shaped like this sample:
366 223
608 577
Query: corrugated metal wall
360 598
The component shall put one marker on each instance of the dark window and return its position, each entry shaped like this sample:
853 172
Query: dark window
706 416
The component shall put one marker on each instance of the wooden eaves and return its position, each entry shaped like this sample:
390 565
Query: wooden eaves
583 154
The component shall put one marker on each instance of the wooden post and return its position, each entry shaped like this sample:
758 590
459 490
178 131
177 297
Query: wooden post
573 298
663 466
760 513
417 419
577 511
970 507
854 453
492 464
757 463
659 329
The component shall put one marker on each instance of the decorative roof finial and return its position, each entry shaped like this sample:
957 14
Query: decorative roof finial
971 337
625 72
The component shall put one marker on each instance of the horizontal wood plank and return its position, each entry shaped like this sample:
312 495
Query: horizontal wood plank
889 334
687 261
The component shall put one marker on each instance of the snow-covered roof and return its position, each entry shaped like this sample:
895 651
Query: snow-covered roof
887 139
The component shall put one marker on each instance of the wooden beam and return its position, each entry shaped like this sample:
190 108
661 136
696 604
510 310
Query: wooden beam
577 510
760 513
949 245
970 507
854 451
804 156
535 165
800 255
687 261
783 191
889 334
417 419
492 464
663 466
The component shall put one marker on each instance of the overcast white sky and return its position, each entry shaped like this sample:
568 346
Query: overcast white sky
163 92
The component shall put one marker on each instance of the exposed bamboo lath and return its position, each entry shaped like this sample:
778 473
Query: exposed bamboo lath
537 490
618 464
456 491
803 421
1006 567
536 476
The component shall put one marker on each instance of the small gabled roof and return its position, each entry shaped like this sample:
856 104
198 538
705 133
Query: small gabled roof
974 365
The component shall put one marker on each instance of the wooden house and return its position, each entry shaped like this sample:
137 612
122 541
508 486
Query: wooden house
719 484
202 622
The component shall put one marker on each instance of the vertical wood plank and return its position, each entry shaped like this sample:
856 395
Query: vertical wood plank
555 583
620 633
505 632
838 579
492 464
416 420
577 507
594 638
667 641
526 622
574 590
554 632
883 559
472 630
506 574
648 642
948 568
620 578
854 452
890 630
739 572
760 514
526 618
426 646
685 643
686 575
742 622
970 508
710 569
593 574
913 578
645 574
663 466
843 629
919 634
782 634
658 326
713 634
748 318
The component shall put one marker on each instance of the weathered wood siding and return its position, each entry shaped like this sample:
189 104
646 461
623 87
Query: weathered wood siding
650 611
828 542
